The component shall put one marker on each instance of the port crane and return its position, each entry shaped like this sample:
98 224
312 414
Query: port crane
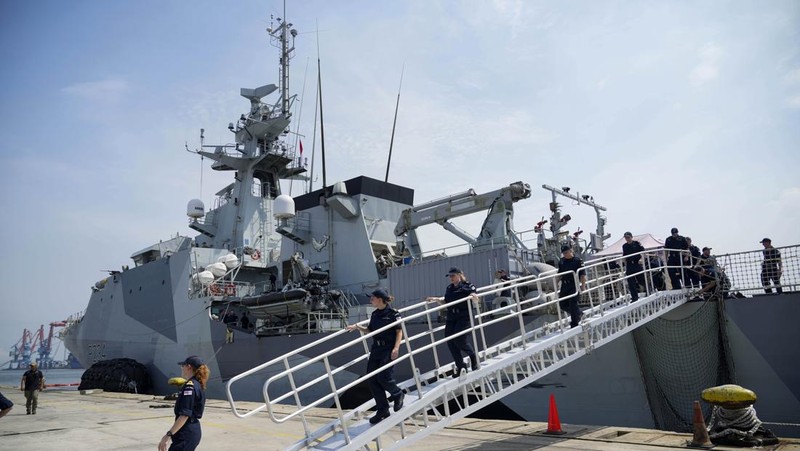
34 341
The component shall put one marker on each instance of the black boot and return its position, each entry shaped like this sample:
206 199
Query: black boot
398 401
379 416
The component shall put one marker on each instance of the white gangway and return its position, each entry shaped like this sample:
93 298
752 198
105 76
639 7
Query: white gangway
531 353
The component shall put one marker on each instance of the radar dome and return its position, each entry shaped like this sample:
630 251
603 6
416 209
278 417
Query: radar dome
195 209
283 206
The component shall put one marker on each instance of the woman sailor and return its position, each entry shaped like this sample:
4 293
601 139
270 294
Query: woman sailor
185 431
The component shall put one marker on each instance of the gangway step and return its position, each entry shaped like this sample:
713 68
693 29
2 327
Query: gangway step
504 369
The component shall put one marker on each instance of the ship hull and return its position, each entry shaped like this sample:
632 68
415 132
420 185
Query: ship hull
145 314
609 386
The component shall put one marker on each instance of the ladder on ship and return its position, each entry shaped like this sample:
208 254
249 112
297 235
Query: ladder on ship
434 399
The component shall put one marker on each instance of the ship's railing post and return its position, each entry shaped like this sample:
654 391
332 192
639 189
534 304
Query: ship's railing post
431 334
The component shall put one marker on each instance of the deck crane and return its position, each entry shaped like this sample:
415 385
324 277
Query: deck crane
550 248
497 228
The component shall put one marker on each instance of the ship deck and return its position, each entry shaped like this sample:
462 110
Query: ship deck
67 420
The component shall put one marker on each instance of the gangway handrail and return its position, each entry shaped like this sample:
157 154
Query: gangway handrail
524 343
483 291
364 338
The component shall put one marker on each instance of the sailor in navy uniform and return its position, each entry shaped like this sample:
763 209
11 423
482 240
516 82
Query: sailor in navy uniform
633 265
385 348
570 263
458 318
185 432
675 258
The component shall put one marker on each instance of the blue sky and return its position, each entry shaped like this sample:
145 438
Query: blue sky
669 113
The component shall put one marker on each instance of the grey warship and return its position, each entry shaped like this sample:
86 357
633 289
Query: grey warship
323 250
328 247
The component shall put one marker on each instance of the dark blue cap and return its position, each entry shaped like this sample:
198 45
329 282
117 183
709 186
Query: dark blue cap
193 361
381 293
452 271
566 248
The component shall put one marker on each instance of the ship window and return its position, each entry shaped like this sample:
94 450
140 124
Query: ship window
256 191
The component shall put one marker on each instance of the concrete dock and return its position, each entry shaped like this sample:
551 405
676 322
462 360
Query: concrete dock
68 420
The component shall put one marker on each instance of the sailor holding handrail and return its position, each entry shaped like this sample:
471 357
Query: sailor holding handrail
458 318
385 348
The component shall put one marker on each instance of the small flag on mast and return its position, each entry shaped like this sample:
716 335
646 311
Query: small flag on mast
301 147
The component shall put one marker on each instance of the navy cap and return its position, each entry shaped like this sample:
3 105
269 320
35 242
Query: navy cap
193 361
452 271
381 293
566 248
765 240
628 234
706 249
674 230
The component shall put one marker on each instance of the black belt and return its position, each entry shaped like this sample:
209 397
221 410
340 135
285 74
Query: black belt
377 342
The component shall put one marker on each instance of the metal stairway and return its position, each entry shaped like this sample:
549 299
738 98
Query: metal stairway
434 399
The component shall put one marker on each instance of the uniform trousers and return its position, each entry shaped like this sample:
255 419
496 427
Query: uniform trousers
570 305
770 273
674 273
634 282
188 437
384 381
460 345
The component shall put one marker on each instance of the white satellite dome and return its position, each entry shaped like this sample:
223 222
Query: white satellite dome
195 209
204 277
230 260
217 269
283 206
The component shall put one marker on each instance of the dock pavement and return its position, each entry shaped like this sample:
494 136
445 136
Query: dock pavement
68 420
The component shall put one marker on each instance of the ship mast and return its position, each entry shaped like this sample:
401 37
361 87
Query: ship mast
281 40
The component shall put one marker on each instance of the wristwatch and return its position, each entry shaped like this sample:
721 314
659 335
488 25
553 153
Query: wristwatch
169 434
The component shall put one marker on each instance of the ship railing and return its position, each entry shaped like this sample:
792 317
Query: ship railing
73 319
739 274
749 274
303 376
326 322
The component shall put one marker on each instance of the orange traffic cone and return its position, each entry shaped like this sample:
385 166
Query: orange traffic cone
700 438
553 424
